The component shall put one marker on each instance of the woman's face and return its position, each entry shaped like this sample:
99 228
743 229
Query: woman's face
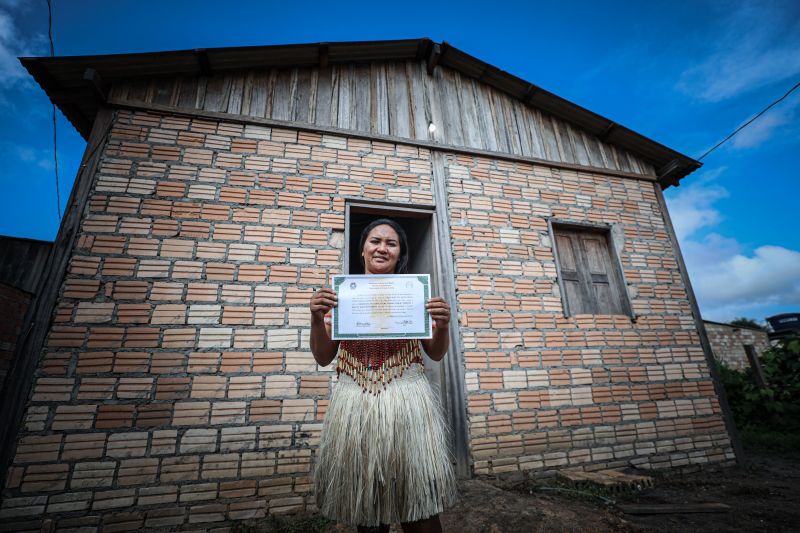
381 250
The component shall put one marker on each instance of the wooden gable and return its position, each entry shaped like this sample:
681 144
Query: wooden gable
398 99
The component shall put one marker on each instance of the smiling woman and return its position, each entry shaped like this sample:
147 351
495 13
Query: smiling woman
383 454
381 250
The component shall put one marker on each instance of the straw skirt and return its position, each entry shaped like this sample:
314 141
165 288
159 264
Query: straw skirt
384 458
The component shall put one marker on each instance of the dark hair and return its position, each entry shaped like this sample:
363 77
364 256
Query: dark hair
402 261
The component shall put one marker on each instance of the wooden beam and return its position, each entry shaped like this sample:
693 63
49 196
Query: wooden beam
530 94
455 396
559 278
324 49
669 168
607 131
96 83
424 49
40 313
433 58
203 63
755 364
711 362
668 174
402 206
482 76
431 145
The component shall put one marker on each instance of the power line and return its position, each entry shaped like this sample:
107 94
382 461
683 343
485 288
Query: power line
743 126
55 135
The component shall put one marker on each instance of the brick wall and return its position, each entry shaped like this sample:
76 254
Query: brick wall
176 388
546 391
13 305
727 343
176 385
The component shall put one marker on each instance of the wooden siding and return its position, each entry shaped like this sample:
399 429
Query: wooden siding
393 98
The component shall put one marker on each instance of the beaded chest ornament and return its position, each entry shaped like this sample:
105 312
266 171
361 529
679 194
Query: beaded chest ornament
375 363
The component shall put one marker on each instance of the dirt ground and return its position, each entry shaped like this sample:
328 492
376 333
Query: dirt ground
764 495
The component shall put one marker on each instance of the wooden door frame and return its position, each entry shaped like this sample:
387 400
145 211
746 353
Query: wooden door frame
455 396
450 372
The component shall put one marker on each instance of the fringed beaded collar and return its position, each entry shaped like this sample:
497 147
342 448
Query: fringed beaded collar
375 363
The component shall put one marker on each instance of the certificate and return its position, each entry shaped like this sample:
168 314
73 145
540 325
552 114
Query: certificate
378 306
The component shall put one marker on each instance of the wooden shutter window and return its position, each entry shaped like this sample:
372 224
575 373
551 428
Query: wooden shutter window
590 280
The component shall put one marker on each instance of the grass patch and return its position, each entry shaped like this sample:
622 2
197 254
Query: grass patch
557 487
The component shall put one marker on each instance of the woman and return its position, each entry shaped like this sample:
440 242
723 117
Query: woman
383 452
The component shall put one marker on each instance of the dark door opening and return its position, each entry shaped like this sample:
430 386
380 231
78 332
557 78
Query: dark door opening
418 230
418 224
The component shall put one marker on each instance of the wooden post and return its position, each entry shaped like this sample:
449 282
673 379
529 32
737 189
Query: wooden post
755 364
727 414
40 313
455 397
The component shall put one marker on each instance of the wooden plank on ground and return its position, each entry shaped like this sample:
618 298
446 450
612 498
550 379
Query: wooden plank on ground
609 479
673 508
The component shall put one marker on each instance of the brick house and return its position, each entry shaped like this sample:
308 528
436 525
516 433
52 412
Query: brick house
729 343
169 381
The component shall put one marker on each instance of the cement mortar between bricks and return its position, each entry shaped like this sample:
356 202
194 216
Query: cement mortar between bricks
178 360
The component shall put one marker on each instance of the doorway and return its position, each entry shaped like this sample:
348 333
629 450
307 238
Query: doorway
418 223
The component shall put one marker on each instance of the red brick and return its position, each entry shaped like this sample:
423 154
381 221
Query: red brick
114 416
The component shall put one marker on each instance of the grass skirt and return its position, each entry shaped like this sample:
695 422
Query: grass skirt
384 458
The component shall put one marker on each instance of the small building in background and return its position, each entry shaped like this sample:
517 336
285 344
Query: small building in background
728 342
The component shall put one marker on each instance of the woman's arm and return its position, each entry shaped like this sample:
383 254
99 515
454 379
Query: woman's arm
323 348
437 346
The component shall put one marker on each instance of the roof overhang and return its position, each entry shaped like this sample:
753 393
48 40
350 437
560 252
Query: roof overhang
78 84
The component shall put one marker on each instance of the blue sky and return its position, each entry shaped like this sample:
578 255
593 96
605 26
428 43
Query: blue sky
683 73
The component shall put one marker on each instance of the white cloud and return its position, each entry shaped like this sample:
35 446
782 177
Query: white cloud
758 44
766 126
691 206
40 158
10 69
727 280
26 156
731 283
12 45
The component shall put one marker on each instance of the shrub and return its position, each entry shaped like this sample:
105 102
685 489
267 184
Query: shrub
775 407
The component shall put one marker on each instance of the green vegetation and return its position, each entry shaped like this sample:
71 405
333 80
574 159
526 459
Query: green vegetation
768 418
744 322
